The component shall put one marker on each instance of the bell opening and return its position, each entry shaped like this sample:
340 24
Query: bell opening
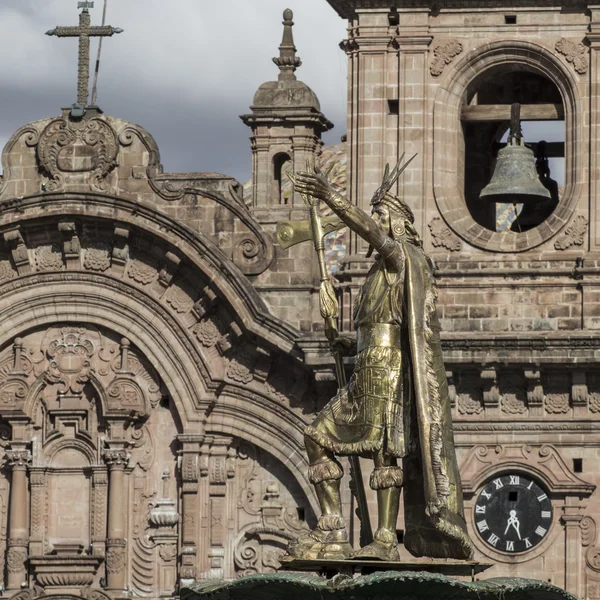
513 185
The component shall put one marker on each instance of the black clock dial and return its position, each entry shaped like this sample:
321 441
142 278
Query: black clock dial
512 513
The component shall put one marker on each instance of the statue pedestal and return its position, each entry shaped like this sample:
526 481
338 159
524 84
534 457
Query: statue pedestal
411 584
330 568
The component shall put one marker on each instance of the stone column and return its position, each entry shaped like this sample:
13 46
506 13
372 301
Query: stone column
571 519
18 519
593 38
190 510
116 544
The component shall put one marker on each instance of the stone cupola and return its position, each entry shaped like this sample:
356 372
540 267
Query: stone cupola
287 123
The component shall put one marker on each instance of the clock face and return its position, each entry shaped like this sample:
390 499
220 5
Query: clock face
513 513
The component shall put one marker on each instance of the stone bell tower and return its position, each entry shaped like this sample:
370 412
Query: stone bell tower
287 124
519 290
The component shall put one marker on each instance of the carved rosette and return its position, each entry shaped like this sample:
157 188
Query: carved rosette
180 300
574 53
97 257
238 370
48 258
88 146
444 54
142 272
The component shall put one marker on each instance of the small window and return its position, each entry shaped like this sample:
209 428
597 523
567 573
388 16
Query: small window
393 107
300 511
282 186
510 19
394 17
578 465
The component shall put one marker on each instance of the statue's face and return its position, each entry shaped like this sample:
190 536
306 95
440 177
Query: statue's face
381 215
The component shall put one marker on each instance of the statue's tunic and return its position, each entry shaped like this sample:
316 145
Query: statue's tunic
370 413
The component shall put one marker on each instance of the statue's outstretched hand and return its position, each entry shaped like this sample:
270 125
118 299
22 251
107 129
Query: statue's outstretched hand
313 183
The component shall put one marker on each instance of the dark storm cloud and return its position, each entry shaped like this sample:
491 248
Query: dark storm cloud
183 69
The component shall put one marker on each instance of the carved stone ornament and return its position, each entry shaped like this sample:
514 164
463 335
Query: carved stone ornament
48 258
97 257
238 371
468 405
442 237
444 55
6 271
574 53
69 357
180 300
77 146
15 559
142 272
115 555
574 234
116 457
207 332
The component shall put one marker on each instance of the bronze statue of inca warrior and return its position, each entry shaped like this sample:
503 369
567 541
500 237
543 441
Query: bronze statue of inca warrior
395 408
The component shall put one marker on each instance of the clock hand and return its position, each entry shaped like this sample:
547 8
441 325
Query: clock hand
513 521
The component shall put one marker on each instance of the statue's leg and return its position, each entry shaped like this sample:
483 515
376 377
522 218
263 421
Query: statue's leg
330 538
386 480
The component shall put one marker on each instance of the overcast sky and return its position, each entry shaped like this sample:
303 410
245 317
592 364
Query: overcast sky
183 69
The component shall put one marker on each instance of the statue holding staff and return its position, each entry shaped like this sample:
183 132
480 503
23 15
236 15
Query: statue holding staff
395 408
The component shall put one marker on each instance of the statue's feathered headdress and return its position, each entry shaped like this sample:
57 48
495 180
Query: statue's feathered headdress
403 218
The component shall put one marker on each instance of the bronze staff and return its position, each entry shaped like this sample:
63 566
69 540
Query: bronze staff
290 233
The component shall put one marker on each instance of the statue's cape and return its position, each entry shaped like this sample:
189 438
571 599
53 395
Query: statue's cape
433 503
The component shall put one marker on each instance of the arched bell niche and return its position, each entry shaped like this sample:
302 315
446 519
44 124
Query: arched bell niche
471 114
485 128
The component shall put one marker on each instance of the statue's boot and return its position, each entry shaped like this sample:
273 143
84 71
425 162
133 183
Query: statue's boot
387 482
383 547
321 544
329 540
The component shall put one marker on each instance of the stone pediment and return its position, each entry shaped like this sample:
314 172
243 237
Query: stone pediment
543 462
98 154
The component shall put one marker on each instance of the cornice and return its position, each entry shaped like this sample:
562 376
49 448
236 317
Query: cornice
347 8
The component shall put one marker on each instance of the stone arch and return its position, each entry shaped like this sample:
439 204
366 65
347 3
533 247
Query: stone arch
103 300
449 99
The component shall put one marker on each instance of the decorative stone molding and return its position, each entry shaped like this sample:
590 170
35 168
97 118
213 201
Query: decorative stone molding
574 234
443 55
574 53
18 459
442 236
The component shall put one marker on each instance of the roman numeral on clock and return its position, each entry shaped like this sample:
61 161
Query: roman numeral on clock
542 497
480 509
493 540
515 480
528 544
540 531
498 483
482 526
510 546
546 514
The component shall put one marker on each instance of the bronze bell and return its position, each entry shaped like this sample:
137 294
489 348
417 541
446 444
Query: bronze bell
515 179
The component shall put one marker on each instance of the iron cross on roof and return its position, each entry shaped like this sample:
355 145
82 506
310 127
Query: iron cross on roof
84 32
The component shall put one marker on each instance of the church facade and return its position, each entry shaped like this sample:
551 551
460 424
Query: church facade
160 354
